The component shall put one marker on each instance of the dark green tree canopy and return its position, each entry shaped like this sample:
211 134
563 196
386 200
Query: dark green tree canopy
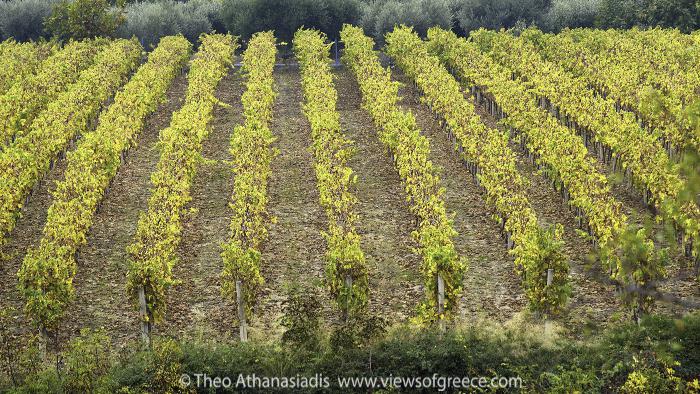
79 19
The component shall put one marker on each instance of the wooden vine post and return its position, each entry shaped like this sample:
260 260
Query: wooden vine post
441 301
240 301
44 343
145 317
637 310
348 285
547 321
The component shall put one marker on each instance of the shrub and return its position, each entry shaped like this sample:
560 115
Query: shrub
656 356
245 17
496 14
683 14
152 370
380 17
87 361
640 267
194 17
80 19
301 318
209 8
20 355
149 21
571 13
618 13
360 330
24 19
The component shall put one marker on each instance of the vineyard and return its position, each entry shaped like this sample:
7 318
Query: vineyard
551 179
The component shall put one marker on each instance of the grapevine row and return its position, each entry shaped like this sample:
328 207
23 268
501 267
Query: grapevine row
663 58
19 61
48 270
493 164
252 154
554 145
669 56
153 252
629 254
638 153
24 163
23 102
442 268
630 72
346 266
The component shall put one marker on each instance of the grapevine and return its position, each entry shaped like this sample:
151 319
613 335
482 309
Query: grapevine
153 253
494 165
443 268
250 148
563 155
631 148
29 158
24 101
90 170
652 73
19 61
346 265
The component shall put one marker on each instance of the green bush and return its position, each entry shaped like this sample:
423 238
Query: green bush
497 14
87 361
245 17
379 17
659 355
359 330
24 19
20 356
80 19
683 14
301 318
619 14
603 362
571 13
82 368
149 21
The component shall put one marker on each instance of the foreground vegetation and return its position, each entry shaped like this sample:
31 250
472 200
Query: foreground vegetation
656 356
